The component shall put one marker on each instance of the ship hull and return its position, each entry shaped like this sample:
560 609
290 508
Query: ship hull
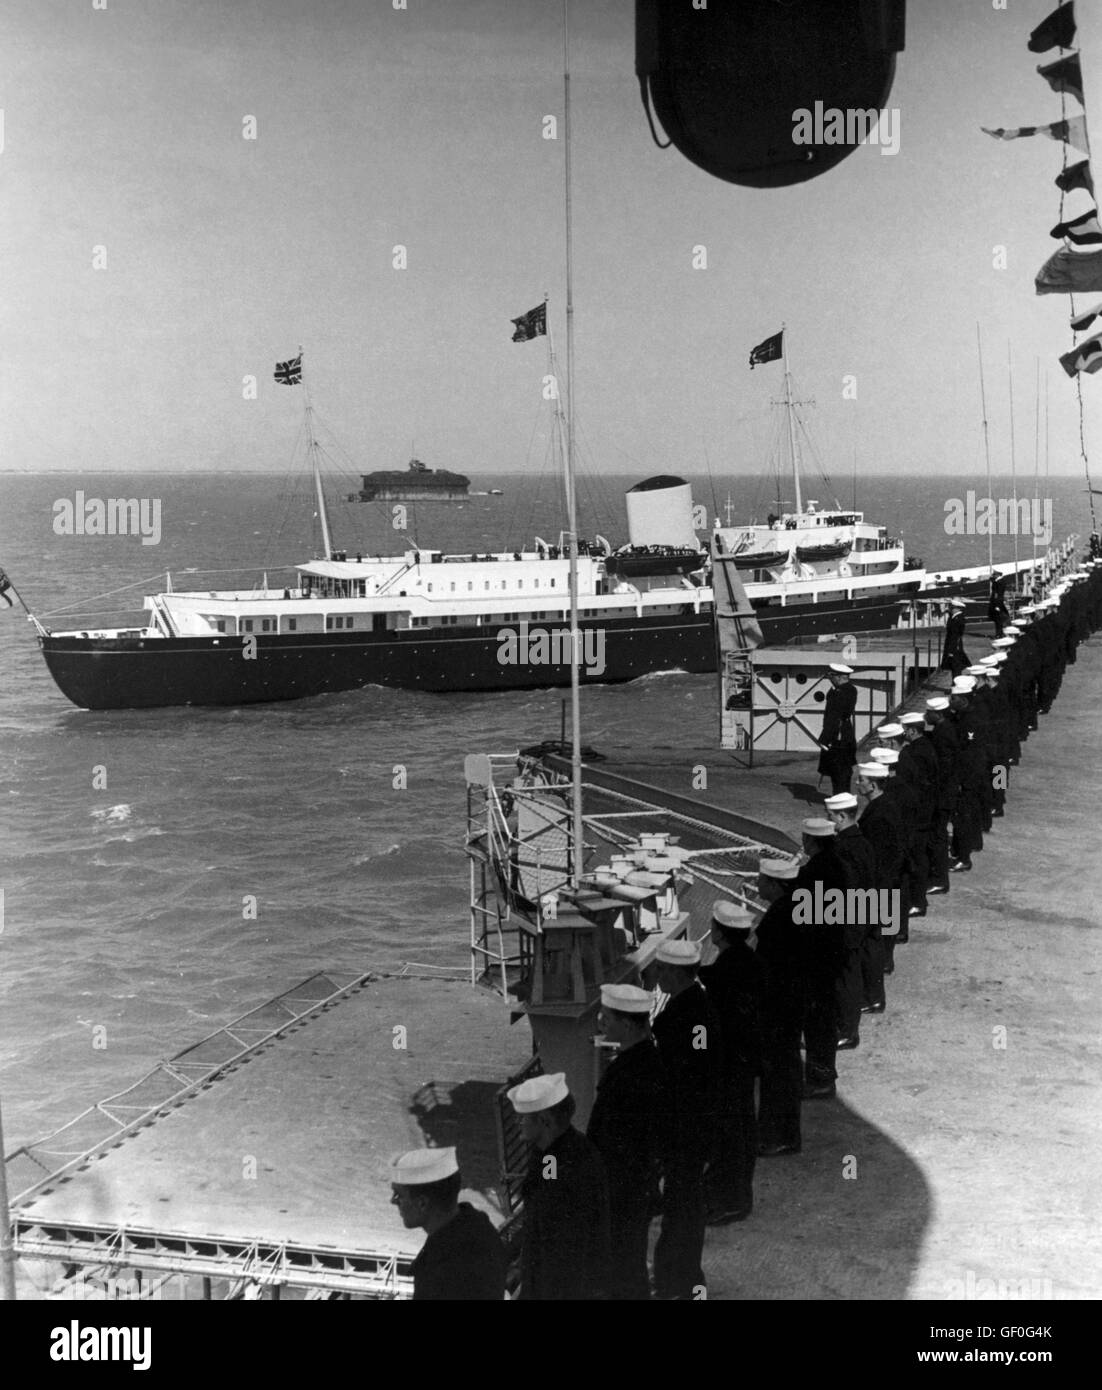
153 673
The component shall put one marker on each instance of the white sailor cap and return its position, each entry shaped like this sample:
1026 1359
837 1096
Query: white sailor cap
1003 642
1000 657
912 717
976 670
817 827
991 659
963 685
733 916
540 1093
782 869
627 999
957 603
679 952
841 801
888 756
877 771
938 702
841 668
420 1166
890 731
1011 630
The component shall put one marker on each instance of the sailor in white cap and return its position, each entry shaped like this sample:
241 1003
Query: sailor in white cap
823 873
953 656
859 859
626 1125
890 734
782 950
687 1032
838 739
881 824
463 1258
565 1248
734 985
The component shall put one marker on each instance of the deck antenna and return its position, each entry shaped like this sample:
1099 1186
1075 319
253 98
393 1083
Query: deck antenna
313 454
788 409
571 498
1013 470
986 449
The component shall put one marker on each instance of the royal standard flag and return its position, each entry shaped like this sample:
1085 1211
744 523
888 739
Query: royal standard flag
289 373
531 324
1084 357
769 351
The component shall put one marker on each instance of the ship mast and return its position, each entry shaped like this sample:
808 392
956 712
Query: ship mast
571 491
313 454
788 412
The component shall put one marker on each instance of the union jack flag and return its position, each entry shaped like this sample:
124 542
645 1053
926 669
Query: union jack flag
289 373
531 324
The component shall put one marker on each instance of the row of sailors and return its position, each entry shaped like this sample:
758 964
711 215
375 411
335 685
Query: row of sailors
708 1076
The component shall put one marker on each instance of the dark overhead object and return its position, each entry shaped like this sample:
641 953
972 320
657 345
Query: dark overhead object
727 80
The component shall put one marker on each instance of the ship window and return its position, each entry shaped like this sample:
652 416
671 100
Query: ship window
430 588
292 624
520 583
221 625
486 585
537 583
265 625
248 624
470 586
451 588
329 624
552 583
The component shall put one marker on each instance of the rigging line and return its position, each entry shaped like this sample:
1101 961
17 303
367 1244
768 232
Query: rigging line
94 598
1013 462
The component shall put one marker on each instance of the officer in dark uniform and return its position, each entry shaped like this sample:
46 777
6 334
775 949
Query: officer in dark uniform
918 766
782 951
626 1128
826 955
690 1044
565 1248
880 824
462 1260
859 859
968 812
953 656
996 604
838 739
734 985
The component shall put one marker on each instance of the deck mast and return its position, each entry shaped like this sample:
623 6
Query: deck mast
578 856
788 412
315 462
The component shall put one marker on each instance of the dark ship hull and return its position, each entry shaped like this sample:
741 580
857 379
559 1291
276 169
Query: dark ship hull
136 673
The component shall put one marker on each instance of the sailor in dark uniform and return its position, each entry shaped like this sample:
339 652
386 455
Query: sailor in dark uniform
565 1248
968 812
826 955
996 604
838 739
782 950
859 860
626 1128
942 733
689 1040
881 825
734 985
953 656
462 1259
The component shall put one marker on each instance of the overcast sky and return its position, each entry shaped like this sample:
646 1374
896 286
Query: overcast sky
123 129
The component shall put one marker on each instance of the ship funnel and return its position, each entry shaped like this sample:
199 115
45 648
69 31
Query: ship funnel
660 512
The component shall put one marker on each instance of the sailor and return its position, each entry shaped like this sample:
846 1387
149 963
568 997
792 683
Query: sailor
996 604
734 985
942 734
626 1128
782 951
880 824
968 812
822 871
687 1032
953 656
565 1248
918 765
838 740
463 1258
859 859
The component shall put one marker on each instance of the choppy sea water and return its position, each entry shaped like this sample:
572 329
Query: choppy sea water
124 906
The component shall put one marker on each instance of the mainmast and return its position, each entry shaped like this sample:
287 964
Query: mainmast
315 463
791 426
571 492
